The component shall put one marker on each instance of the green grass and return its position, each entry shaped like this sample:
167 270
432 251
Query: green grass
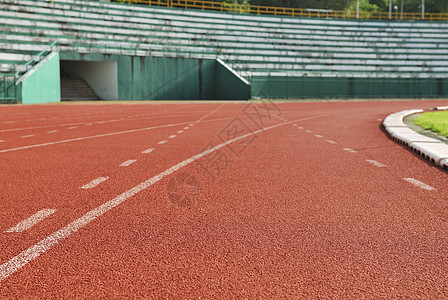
434 121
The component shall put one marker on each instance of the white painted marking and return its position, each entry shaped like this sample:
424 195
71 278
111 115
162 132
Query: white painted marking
31 221
420 184
162 142
90 137
27 136
180 131
379 120
308 131
172 136
208 114
318 136
376 163
1 141
350 150
94 183
90 124
128 163
73 127
52 131
23 258
294 125
185 128
148 150
330 141
300 127
191 125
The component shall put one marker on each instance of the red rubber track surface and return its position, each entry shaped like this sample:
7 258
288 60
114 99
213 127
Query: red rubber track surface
283 213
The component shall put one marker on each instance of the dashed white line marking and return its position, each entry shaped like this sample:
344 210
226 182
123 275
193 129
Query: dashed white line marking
180 131
420 184
172 136
349 150
52 131
330 142
148 150
31 221
185 128
294 125
300 127
379 120
128 163
94 183
73 127
308 131
90 124
26 256
376 163
191 125
27 136
1 141
318 136
162 142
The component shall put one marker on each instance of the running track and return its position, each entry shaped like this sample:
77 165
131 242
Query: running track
217 201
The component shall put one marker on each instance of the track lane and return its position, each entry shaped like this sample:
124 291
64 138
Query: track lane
259 241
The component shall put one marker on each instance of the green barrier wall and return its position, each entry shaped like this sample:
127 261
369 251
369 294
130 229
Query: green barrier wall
163 78
42 83
229 86
8 90
343 87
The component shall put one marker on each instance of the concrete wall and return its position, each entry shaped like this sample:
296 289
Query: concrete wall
42 83
229 84
345 87
102 76
163 78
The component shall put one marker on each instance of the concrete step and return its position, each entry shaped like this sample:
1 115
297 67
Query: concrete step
76 89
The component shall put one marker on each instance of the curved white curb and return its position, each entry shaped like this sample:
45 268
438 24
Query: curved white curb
428 148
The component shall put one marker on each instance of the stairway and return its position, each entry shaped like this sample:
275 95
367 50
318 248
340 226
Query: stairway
76 89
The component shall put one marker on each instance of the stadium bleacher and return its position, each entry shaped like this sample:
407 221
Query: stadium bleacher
277 56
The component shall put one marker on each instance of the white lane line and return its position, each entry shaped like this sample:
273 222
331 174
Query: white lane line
420 184
52 131
191 125
94 183
349 150
90 124
172 136
31 221
308 131
180 131
379 120
162 142
91 137
185 128
128 163
330 142
318 136
208 114
300 127
148 150
73 127
23 258
1 141
376 163
294 125
27 136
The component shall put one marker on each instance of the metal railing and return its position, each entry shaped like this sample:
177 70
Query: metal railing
21 70
9 81
284 11
8 89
